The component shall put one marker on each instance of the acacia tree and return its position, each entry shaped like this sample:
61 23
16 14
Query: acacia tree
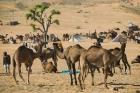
42 18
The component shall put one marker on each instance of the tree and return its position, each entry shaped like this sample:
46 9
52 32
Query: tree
41 16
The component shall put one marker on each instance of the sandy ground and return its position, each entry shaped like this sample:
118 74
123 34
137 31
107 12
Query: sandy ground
60 83
101 17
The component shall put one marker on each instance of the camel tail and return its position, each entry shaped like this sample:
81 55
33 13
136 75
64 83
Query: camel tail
14 69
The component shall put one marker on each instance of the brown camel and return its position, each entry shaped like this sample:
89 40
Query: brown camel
115 51
2 37
97 57
25 55
49 67
47 54
19 38
71 55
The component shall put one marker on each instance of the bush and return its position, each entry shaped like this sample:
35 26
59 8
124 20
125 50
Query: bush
20 5
78 27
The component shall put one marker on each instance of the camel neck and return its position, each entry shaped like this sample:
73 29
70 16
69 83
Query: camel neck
59 53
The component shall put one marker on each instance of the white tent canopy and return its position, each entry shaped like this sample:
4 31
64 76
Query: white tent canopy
120 38
76 38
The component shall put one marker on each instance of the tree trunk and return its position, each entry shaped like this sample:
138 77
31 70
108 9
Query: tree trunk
46 35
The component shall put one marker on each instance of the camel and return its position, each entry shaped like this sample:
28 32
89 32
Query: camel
97 57
25 55
19 38
47 54
2 37
115 51
136 60
71 55
49 67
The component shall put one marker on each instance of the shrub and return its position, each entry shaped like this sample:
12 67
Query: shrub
20 5
78 27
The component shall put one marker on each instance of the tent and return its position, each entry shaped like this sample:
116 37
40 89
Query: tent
77 38
120 38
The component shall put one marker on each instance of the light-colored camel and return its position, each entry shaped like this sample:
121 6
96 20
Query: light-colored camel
97 57
71 55
115 51
25 55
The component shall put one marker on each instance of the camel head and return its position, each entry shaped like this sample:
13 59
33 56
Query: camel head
136 60
39 48
58 45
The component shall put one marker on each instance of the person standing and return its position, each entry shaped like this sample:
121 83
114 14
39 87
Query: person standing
6 62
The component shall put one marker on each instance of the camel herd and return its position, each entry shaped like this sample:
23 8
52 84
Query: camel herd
133 36
91 59
95 57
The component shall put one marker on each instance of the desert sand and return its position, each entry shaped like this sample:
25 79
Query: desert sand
97 16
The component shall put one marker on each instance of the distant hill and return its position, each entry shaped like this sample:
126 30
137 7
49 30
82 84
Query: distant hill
21 4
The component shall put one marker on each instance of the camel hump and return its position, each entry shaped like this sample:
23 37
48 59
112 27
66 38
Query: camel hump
21 48
110 50
94 46
78 46
117 48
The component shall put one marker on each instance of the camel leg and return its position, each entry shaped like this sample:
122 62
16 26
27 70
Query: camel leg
98 70
80 80
106 75
26 66
113 67
19 71
120 68
74 72
14 74
29 71
55 62
14 71
105 80
84 69
114 71
70 73
82 77
92 69
125 61
92 75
